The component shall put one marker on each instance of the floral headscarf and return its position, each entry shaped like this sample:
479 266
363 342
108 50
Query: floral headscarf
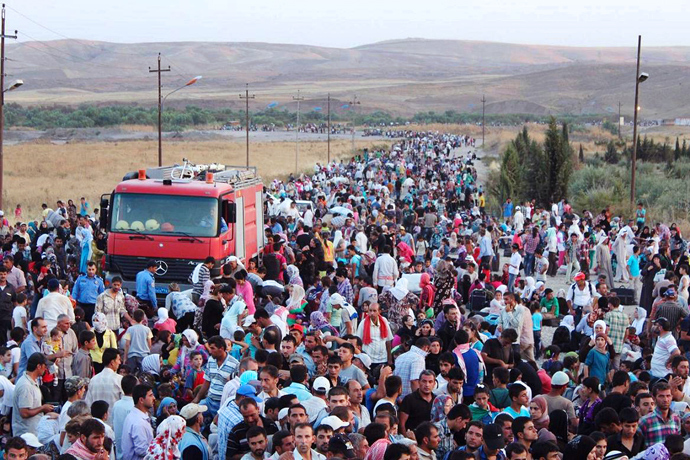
100 322
151 364
438 411
293 274
168 436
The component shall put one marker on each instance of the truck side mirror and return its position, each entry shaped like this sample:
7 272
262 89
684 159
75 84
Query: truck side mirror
103 217
230 211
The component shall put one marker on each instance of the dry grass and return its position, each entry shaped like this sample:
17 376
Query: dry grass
42 172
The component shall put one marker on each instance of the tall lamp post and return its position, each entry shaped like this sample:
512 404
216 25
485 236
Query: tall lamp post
639 78
160 116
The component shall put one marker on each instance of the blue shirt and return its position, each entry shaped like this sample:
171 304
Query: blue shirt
146 287
598 364
472 378
137 434
87 288
634 264
536 321
299 390
31 345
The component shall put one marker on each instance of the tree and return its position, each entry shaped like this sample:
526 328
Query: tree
582 155
684 152
510 174
677 151
611 156
558 164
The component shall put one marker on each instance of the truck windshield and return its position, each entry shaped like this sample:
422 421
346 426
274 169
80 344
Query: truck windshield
164 214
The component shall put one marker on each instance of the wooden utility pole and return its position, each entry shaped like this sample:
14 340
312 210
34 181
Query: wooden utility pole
353 105
483 119
158 70
634 150
329 128
299 99
246 98
2 97
620 125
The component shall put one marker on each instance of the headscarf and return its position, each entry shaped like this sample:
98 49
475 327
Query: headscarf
296 297
162 315
558 425
638 323
293 275
378 449
599 322
579 448
168 436
529 288
543 421
100 322
438 411
442 269
545 435
658 451
400 289
164 403
151 364
569 322
319 321
192 337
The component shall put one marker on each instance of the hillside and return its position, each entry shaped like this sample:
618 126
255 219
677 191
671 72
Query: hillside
401 76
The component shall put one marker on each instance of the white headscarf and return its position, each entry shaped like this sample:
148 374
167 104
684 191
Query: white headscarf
569 322
638 323
599 322
296 297
162 315
151 364
400 289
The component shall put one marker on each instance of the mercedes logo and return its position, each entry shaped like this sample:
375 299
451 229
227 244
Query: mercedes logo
161 268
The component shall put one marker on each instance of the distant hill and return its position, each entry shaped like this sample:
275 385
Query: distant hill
400 76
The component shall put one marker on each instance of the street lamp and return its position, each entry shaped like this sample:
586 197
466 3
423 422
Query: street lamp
160 115
639 78
14 86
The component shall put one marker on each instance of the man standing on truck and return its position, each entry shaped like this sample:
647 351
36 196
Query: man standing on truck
146 289
199 276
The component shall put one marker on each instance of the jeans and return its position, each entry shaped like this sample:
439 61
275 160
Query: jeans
573 266
529 264
511 282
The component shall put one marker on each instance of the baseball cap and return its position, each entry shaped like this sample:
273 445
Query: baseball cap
560 378
341 443
670 292
191 410
334 422
297 327
248 321
493 437
75 383
296 358
664 323
580 276
365 359
31 440
321 384
249 391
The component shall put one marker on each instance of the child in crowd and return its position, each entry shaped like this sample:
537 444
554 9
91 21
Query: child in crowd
552 363
137 341
597 362
498 396
589 394
195 376
536 327
79 324
82 364
20 312
482 409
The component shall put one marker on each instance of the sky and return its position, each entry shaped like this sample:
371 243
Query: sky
352 23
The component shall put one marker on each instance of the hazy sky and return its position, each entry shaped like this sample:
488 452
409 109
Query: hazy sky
356 22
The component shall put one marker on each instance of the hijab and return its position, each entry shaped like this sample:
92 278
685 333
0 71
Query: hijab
579 448
569 322
543 421
168 436
164 403
438 411
293 276
162 316
100 323
151 364
400 289
599 322
558 425
296 297
319 321
638 323
529 288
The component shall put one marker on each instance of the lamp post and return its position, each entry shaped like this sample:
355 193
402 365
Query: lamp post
160 116
639 78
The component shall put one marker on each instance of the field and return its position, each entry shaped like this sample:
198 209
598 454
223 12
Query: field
43 172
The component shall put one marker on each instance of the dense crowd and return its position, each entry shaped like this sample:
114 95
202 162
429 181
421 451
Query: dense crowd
379 324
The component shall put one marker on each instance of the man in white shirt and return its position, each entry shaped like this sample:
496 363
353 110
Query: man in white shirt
385 269
665 348
579 296
514 268
54 305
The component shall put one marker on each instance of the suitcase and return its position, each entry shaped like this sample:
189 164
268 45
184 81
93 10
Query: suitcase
477 300
626 295
495 263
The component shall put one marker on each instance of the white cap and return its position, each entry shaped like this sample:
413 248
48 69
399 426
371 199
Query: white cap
191 410
248 321
560 378
334 422
366 360
283 413
31 440
321 384
336 299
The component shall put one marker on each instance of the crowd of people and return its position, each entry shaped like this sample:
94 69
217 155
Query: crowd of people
379 324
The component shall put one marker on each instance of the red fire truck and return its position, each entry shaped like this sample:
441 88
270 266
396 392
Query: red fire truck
178 216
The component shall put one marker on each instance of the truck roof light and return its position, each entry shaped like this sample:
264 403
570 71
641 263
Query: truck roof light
209 177
142 174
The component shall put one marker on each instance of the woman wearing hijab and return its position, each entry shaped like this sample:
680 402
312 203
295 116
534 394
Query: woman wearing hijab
166 408
582 447
164 322
405 252
444 283
539 412
399 302
295 304
105 338
168 435
558 425
440 407
603 261
318 322
428 293
639 320
530 287
293 276
188 343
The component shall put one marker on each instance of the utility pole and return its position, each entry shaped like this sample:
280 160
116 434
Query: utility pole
2 96
299 99
158 70
246 98
329 129
634 151
483 119
353 104
620 125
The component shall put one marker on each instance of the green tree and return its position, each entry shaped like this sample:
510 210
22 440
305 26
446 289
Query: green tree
611 156
582 155
510 174
677 151
558 164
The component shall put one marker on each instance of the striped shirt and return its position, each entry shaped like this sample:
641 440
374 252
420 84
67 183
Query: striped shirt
219 376
617 322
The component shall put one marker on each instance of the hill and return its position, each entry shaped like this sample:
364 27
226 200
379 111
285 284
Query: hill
400 76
